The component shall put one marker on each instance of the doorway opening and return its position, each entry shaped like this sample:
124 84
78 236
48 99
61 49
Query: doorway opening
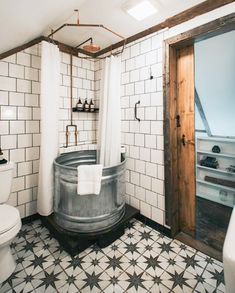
198 159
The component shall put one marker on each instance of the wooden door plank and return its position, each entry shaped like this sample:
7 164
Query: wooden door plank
186 153
170 139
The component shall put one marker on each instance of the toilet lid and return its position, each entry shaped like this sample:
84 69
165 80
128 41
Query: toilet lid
9 217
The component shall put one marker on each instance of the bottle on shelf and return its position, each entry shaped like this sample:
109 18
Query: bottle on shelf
79 105
86 106
92 106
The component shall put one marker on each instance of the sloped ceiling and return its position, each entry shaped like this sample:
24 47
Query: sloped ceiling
24 20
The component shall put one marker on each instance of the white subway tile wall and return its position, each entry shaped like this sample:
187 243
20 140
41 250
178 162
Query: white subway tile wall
83 73
20 117
144 140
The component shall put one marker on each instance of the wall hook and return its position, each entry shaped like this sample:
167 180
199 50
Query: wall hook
150 73
137 103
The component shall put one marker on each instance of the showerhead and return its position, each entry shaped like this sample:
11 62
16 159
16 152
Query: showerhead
91 48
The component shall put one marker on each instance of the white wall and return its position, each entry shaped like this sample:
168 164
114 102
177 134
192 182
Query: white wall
144 139
20 117
215 82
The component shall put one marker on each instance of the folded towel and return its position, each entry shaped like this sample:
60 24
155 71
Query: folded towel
89 179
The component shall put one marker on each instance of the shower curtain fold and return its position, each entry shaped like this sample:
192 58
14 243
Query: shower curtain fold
109 129
49 103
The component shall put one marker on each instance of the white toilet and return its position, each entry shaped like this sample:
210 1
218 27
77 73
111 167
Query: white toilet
10 222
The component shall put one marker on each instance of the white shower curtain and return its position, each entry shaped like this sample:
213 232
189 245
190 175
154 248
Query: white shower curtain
49 100
109 130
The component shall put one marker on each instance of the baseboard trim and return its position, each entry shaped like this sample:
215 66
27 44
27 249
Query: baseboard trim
158 227
30 219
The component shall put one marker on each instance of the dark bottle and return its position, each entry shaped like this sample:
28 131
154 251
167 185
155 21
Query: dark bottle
92 106
86 106
79 105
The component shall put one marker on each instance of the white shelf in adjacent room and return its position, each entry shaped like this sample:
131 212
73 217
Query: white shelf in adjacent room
215 170
218 139
226 158
215 185
217 154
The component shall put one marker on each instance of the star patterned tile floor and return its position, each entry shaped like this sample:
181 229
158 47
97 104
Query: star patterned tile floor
142 260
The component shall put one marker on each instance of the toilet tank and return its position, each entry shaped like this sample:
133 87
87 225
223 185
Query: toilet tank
6 175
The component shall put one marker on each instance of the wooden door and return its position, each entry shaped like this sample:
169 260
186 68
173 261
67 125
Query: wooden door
185 139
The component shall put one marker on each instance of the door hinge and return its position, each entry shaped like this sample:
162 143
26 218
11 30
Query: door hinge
177 121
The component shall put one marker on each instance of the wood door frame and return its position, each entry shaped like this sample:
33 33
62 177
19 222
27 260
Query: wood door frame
213 28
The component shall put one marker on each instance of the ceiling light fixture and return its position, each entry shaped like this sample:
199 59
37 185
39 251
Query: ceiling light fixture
140 9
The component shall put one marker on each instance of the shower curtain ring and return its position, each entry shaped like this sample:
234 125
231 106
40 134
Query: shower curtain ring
51 39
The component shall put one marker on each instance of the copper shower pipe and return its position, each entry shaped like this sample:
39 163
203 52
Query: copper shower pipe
84 25
71 88
71 125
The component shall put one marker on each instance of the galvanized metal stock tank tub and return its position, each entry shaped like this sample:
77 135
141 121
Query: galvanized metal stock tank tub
87 213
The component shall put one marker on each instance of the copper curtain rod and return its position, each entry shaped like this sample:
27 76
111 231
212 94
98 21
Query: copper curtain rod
84 25
50 36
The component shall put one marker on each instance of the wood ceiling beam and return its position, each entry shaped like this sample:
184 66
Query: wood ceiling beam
20 48
223 24
62 47
179 18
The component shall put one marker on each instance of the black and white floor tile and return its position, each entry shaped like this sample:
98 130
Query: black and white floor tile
142 260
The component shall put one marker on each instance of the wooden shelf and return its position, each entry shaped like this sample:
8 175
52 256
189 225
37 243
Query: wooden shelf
215 185
223 155
83 111
216 170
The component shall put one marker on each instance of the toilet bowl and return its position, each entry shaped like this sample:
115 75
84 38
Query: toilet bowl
10 222
229 256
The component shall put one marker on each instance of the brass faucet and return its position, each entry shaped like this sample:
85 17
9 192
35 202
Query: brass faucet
67 133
